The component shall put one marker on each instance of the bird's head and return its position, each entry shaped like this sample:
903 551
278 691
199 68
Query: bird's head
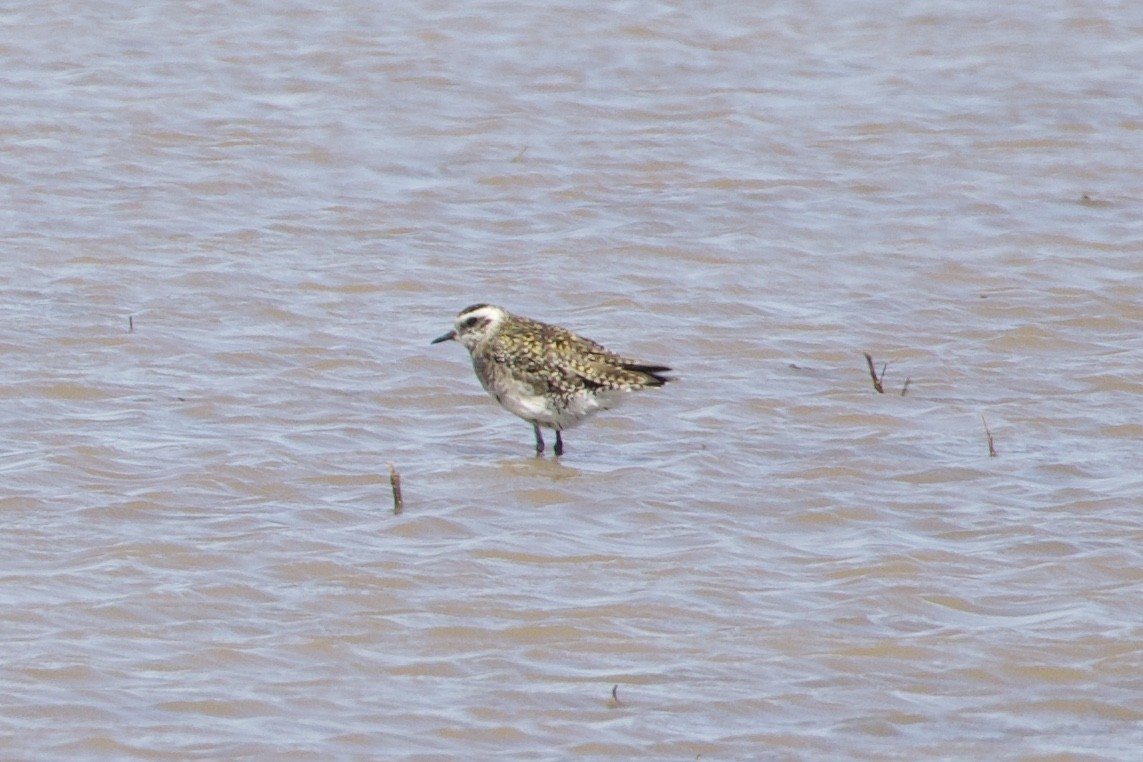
475 324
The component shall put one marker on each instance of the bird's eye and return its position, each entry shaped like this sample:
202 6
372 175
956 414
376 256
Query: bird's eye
470 322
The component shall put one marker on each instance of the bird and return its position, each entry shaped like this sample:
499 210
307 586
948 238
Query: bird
545 374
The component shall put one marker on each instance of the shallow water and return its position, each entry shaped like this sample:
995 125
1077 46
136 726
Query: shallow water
232 230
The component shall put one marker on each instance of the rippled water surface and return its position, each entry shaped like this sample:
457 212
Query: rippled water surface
231 230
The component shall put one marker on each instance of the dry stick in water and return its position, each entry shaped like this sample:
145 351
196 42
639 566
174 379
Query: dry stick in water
991 447
395 483
873 373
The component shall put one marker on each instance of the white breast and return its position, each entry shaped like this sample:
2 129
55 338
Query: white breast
519 399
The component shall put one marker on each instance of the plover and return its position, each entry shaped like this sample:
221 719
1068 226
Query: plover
545 374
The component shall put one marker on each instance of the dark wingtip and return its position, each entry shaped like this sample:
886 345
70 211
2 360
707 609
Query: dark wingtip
656 374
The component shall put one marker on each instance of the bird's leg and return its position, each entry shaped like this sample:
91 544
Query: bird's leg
559 444
540 439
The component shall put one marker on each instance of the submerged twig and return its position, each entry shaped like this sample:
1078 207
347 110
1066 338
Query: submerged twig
873 373
988 433
395 483
879 378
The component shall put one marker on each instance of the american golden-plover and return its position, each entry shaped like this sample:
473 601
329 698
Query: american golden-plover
545 374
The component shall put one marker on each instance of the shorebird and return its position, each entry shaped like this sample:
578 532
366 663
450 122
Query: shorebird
545 374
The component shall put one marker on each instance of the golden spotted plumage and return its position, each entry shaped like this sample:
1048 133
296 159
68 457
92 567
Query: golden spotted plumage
546 374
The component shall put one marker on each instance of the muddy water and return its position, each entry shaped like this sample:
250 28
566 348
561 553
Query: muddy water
231 230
